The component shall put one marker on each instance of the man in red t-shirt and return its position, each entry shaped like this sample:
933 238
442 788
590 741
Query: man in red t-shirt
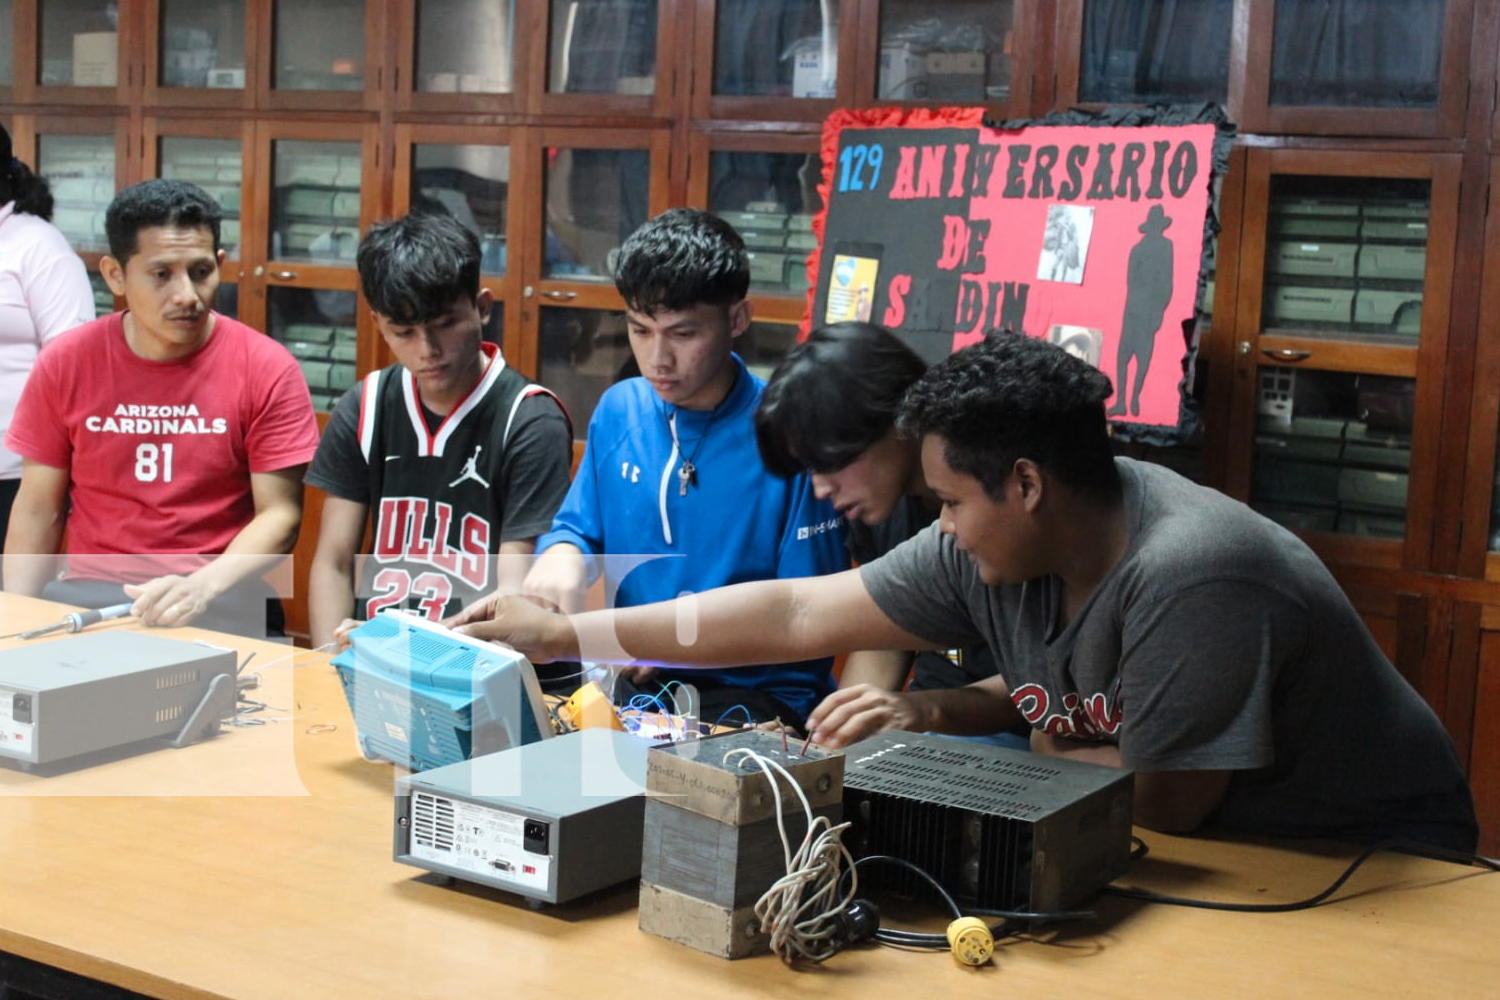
168 440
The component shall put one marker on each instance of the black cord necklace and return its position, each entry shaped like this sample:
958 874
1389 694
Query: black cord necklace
687 473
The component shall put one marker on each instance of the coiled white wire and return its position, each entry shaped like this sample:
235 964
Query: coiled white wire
798 912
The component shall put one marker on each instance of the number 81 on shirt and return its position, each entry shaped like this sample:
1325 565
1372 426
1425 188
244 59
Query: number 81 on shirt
153 463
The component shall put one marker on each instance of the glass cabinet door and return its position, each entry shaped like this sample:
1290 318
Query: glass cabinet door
200 53
7 44
777 60
763 346
464 46
315 201
582 352
771 199
1130 52
601 47
593 199
104 299
319 328
228 301
304 283
1345 279
81 171
320 55
1333 451
216 166
320 45
470 183
1345 260
1357 54
952 53
1346 257
1351 67
603 57
788 49
78 45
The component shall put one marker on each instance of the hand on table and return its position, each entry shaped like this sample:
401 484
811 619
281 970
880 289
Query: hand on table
171 601
341 634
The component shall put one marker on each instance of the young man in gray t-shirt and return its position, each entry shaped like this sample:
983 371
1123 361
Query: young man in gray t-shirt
1138 621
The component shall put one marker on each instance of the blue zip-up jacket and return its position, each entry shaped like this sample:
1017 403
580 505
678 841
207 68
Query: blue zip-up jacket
738 522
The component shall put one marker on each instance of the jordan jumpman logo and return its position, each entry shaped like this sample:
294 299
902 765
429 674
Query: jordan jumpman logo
471 470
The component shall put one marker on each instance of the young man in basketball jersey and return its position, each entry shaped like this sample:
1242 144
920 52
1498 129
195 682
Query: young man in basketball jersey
456 456
671 469
167 440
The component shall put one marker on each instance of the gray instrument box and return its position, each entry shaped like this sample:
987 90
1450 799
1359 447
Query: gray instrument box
94 692
551 820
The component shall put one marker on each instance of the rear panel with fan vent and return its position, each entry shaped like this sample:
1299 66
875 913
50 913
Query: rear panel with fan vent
1000 829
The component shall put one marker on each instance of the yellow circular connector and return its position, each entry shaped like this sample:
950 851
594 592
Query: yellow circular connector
970 941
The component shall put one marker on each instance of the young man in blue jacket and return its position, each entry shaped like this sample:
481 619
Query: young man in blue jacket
671 469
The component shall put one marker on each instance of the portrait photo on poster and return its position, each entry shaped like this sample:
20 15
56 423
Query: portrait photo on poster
851 289
1065 243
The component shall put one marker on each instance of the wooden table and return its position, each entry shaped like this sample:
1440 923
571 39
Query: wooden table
258 865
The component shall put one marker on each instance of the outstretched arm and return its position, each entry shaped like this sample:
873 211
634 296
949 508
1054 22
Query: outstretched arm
769 621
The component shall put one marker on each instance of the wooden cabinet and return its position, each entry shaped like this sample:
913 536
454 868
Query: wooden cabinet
1280 67
1356 68
1345 265
1118 52
1349 355
1350 366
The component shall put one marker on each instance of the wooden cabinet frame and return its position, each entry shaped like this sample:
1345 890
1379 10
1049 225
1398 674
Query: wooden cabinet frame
154 94
1257 114
262 43
1422 361
771 308
704 103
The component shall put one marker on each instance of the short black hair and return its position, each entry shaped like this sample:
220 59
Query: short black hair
32 194
1010 397
414 268
832 397
158 202
682 258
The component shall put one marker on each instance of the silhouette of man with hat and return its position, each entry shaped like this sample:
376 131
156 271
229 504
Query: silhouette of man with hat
1148 290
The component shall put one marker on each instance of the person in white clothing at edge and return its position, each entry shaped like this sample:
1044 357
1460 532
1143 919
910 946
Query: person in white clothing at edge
44 290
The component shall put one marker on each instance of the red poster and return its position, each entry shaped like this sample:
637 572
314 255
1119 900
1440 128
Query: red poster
943 228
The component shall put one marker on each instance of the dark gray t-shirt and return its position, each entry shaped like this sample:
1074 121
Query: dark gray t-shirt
930 670
1218 642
